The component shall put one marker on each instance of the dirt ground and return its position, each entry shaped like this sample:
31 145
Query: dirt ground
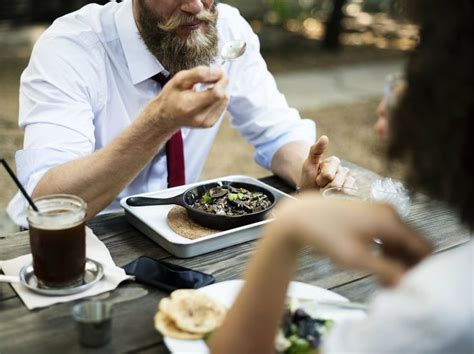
349 127
11 137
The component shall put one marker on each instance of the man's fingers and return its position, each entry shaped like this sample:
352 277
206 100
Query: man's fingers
214 113
350 183
221 84
186 79
328 170
218 91
207 98
339 180
317 150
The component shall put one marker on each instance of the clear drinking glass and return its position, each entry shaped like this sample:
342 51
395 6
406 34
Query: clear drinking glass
94 322
393 192
384 190
345 194
393 88
57 240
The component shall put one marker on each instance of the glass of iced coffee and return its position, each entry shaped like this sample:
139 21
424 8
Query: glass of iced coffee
57 239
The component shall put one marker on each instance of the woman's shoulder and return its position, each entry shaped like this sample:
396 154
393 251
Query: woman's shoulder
449 267
443 284
431 311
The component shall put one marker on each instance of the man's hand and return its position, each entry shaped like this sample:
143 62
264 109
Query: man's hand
324 173
345 232
179 105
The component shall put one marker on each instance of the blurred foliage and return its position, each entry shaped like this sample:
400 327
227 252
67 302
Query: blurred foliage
378 23
19 12
361 22
280 11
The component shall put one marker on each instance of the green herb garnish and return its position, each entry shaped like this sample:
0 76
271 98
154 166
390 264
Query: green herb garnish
206 198
232 196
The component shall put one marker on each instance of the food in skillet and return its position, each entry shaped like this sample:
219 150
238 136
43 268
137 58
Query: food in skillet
232 201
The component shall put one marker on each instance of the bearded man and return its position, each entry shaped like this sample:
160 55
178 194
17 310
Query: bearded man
100 122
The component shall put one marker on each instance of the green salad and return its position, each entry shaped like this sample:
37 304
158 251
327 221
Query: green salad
299 332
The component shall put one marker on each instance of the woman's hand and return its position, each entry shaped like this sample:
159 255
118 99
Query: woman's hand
341 230
345 232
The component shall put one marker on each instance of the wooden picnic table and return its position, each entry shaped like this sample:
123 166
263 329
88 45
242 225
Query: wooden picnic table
52 330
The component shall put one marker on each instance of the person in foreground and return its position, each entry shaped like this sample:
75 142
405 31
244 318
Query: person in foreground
110 108
427 305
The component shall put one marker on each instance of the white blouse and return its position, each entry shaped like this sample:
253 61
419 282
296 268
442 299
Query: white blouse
431 311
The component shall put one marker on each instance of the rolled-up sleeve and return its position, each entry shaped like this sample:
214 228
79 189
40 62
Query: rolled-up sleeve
259 111
59 92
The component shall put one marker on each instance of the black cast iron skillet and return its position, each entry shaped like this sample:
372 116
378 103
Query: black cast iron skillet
213 221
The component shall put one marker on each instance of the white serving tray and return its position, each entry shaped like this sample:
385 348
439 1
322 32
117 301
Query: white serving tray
152 221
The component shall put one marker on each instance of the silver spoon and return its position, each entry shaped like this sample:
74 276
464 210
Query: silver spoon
232 50
229 52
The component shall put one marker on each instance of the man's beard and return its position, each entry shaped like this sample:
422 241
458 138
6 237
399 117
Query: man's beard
173 52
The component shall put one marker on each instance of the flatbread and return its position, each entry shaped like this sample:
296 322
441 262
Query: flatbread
164 305
193 311
167 328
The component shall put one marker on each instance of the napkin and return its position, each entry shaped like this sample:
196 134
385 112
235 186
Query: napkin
95 250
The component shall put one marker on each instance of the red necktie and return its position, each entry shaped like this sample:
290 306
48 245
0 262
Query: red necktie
174 149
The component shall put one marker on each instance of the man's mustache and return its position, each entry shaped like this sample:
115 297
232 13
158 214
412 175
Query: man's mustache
182 20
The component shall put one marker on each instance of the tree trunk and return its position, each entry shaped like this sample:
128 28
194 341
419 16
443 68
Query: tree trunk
333 26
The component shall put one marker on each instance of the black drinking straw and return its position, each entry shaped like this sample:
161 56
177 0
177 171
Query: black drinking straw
17 182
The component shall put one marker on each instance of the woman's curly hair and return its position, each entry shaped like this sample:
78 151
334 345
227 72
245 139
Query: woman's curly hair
433 125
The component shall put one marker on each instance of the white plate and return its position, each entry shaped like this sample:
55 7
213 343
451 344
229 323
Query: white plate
227 291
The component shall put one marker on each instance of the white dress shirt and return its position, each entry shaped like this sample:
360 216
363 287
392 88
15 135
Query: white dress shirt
431 311
89 77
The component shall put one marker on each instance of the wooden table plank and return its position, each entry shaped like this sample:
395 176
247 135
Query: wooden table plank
433 219
124 242
52 330
14 245
360 290
6 292
11 246
437 222
153 349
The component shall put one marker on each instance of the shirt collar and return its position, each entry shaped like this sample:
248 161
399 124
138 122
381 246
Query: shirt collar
141 63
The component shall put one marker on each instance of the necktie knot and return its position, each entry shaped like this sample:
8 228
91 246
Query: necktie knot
161 78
